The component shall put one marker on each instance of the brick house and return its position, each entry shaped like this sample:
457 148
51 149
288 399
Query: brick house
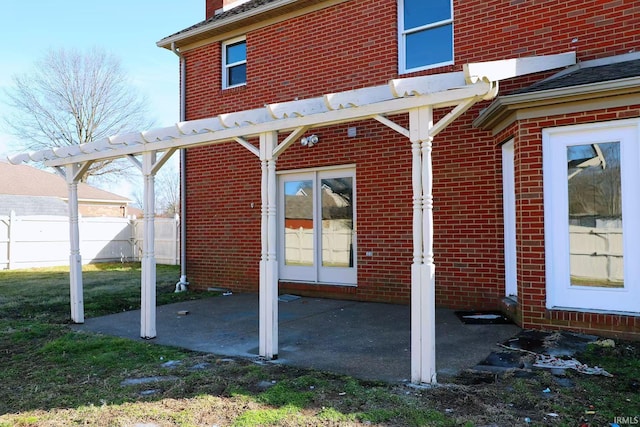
469 154
26 190
502 172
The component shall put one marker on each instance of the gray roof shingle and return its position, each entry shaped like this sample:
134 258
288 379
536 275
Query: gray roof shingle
23 180
587 75
32 205
250 5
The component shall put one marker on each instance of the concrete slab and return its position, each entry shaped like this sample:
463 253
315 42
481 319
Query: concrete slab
361 339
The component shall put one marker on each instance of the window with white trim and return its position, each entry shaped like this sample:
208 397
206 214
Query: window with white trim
234 62
425 34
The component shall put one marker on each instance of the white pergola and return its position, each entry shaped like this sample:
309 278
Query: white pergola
417 96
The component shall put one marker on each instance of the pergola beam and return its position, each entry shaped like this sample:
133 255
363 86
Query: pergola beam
162 160
290 139
332 117
459 110
246 144
393 125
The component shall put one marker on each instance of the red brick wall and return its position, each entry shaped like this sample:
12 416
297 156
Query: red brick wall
352 45
211 6
504 28
467 217
102 210
223 228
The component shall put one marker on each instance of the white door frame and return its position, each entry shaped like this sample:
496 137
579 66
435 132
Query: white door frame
509 215
560 292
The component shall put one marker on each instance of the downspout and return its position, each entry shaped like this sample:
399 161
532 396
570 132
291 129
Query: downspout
182 284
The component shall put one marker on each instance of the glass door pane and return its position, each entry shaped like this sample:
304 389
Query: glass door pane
595 215
317 227
298 223
337 222
337 228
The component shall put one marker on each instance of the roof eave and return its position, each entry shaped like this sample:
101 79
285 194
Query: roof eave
503 106
99 201
216 27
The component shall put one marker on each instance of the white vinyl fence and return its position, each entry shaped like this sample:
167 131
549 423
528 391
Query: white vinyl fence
596 254
337 247
43 241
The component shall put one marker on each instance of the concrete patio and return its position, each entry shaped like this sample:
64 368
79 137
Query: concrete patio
364 340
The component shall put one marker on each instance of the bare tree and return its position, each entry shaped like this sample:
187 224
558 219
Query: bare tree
597 189
72 97
168 191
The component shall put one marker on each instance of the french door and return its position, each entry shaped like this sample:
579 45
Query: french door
592 216
318 226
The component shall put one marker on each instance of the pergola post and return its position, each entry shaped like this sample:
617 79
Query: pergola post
148 287
75 260
423 361
268 312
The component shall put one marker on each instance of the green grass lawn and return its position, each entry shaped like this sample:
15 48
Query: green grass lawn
53 376
43 294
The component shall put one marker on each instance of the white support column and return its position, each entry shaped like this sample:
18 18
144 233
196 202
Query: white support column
148 285
416 279
75 260
423 366
268 261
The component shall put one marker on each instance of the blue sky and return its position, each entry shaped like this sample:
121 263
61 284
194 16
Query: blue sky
127 28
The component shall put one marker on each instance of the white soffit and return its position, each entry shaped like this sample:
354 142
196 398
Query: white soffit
478 81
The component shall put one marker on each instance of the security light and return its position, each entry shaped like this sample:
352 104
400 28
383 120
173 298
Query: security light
309 141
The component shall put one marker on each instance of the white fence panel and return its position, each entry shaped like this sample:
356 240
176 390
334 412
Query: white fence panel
337 239
5 241
43 241
597 254
39 241
106 239
167 239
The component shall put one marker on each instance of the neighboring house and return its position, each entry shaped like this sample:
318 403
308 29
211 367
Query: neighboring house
535 204
30 191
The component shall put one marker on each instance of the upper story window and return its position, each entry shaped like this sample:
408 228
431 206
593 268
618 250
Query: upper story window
425 34
234 62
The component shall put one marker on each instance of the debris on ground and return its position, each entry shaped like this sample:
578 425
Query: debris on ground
552 343
564 362
552 362
605 343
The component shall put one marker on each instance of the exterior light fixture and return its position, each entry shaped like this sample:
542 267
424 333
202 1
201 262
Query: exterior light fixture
309 141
